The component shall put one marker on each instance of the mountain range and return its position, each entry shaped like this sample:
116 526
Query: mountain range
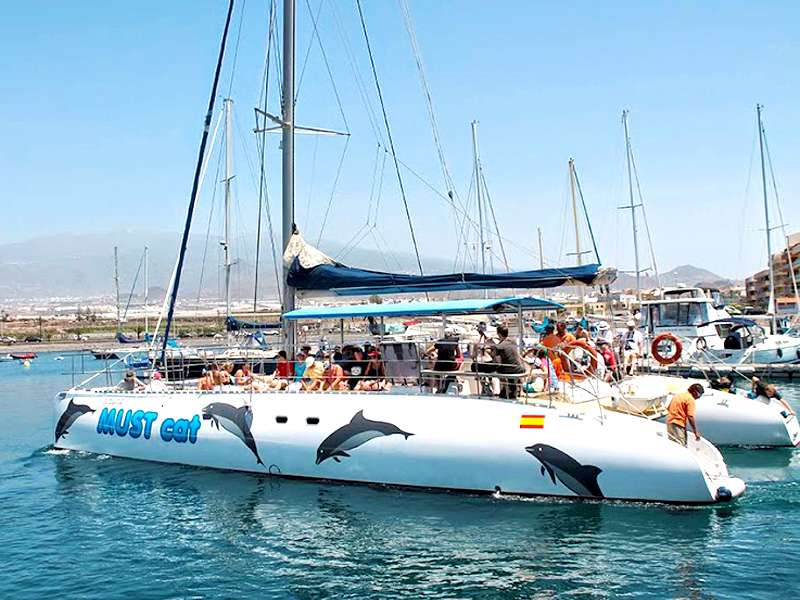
81 265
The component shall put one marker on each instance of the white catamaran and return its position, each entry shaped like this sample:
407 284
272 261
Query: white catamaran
403 437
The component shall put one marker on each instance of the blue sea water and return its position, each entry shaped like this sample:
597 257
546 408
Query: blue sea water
74 525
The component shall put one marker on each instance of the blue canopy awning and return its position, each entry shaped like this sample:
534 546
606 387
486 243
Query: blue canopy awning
427 309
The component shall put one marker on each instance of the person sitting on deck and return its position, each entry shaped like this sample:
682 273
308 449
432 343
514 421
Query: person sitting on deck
765 390
283 368
334 374
206 382
244 376
681 411
130 382
446 352
722 384
565 336
314 374
508 361
609 358
299 366
356 366
374 375
225 374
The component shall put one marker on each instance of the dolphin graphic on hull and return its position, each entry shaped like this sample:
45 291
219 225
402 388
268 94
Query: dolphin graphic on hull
69 416
581 479
235 420
358 431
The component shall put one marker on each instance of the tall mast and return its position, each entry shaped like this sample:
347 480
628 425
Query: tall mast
578 253
477 167
287 145
116 287
146 288
226 244
632 208
772 300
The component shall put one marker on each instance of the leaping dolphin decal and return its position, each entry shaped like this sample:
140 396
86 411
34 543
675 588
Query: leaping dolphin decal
69 416
235 420
581 479
358 431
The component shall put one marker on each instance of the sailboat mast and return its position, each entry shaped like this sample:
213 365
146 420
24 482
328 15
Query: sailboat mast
772 299
226 244
632 208
116 287
477 166
288 157
578 252
146 288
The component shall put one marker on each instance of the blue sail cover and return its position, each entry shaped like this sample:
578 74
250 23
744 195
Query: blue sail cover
342 280
234 324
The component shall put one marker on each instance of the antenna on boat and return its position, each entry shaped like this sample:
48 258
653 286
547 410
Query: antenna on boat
771 305
287 145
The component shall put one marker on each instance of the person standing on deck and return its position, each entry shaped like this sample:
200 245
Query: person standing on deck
632 347
680 412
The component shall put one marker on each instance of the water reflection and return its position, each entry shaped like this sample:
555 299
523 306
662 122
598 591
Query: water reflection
353 540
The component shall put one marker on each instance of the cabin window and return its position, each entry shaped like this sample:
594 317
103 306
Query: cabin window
281 419
312 420
678 314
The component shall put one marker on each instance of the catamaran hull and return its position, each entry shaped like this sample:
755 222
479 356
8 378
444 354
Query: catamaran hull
727 419
462 444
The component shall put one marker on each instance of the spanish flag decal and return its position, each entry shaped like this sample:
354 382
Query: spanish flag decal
531 422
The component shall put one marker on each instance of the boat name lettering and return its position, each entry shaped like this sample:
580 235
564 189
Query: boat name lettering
139 423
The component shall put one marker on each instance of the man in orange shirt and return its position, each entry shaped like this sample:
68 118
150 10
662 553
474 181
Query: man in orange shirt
566 336
681 411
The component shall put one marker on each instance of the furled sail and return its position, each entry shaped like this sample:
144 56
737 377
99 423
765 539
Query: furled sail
312 271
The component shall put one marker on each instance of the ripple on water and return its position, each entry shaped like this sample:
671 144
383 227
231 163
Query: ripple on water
81 525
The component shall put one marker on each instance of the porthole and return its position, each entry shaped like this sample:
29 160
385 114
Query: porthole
312 420
281 419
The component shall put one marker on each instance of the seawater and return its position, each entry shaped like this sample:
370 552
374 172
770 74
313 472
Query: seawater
74 525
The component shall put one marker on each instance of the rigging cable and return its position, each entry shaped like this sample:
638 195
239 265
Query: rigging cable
448 180
783 223
646 222
494 219
195 184
586 215
213 200
389 135
133 287
261 143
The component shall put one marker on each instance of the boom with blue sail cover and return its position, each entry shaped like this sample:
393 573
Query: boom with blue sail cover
310 270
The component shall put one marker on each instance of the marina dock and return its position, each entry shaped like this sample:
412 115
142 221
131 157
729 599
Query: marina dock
710 370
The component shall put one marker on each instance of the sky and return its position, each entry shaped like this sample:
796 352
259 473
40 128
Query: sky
103 105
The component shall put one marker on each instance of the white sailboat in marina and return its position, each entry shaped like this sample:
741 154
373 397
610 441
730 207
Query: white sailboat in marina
407 436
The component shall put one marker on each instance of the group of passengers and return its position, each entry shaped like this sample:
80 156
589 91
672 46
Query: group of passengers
346 368
217 376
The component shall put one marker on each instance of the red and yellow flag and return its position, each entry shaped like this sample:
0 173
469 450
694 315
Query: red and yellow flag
531 422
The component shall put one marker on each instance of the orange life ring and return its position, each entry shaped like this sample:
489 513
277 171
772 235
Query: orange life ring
666 360
584 345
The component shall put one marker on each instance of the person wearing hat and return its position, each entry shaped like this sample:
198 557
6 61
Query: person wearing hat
130 382
680 412
632 347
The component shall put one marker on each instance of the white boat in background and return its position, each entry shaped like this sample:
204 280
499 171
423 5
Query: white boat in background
710 333
725 419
